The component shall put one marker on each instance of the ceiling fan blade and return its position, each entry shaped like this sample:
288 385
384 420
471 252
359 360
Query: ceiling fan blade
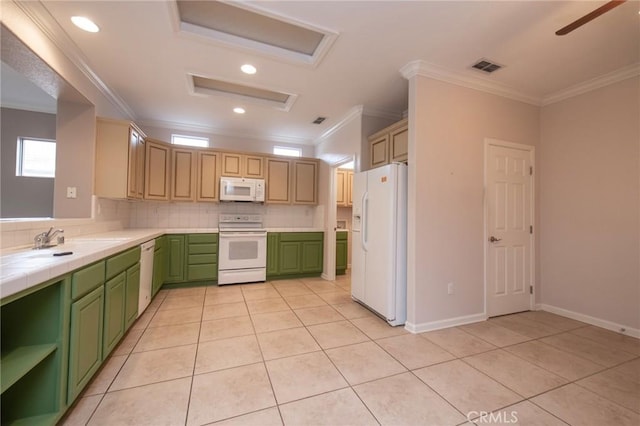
588 17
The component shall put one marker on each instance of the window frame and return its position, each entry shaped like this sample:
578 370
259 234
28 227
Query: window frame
204 139
287 149
20 158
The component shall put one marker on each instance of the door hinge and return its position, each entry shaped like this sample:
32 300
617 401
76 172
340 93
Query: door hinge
531 229
531 170
530 289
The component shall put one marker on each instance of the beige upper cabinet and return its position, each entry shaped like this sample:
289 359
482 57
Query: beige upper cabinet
379 151
208 173
157 166
305 182
277 181
242 165
344 188
389 144
350 188
183 174
119 159
399 142
341 186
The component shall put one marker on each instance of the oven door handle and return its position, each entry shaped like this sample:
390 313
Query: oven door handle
242 234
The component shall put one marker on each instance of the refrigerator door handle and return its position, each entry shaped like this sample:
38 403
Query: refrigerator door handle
364 228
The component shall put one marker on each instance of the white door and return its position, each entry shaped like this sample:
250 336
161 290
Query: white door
509 232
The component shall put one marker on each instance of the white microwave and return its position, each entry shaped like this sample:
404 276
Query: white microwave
241 189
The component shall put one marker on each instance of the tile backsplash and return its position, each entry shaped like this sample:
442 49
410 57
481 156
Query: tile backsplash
205 215
111 215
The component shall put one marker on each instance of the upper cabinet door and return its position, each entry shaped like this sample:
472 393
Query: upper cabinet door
241 165
277 181
379 151
158 157
349 188
183 174
399 142
208 173
305 182
341 186
231 164
253 166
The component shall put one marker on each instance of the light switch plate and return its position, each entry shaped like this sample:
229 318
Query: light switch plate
71 192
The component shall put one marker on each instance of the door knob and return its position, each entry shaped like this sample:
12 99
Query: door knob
494 239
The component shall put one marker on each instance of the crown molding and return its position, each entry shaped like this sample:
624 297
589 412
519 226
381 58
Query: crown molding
220 132
436 72
351 115
37 13
382 113
593 84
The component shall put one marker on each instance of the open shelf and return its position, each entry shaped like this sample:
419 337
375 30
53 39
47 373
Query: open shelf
21 360
44 420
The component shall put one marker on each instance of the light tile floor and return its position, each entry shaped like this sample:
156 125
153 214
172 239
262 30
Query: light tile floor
300 352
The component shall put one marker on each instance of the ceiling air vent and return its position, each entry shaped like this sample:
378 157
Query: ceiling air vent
319 120
485 65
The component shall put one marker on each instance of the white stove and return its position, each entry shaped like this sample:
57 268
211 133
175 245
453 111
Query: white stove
242 257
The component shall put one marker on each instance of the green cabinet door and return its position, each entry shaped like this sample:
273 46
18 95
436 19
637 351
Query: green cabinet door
132 295
290 257
273 239
175 262
341 253
158 270
85 341
311 259
114 306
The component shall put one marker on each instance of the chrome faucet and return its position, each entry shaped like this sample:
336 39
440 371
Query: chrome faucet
43 239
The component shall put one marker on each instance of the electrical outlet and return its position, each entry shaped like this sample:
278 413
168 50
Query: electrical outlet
450 288
71 192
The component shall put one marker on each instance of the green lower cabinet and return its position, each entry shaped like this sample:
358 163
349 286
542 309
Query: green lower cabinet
175 261
273 239
85 341
132 296
341 252
114 308
34 341
158 269
291 254
191 258
202 257
312 256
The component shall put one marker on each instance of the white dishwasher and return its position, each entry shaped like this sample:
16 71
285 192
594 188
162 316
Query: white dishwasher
146 274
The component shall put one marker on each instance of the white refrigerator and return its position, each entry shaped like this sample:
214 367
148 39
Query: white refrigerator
379 254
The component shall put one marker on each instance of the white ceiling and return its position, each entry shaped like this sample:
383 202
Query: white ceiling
142 57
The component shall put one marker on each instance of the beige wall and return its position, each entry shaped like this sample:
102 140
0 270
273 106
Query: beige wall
447 128
589 204
75 151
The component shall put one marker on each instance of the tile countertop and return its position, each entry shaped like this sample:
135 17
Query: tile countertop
23 267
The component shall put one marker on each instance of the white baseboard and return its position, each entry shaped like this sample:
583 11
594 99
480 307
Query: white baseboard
629 331
440 324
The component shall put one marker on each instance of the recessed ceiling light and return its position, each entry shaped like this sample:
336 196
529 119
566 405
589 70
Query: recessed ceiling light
248 69
85 24
239 110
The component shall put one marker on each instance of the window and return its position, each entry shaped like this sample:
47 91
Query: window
190 141
36 158
288 151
